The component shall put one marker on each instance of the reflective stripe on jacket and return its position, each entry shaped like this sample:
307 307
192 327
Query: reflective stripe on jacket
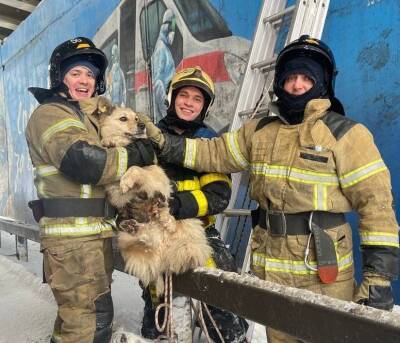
328 163
51 130
201 195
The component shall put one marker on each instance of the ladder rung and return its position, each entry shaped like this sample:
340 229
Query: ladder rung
235 212
279 15
246 113
265 65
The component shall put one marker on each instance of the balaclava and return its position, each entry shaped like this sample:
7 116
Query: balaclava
292 106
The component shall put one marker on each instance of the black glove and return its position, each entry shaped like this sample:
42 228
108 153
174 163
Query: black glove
140 153
375 291
174 205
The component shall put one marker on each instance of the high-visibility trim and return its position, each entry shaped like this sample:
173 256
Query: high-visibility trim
188 185
40 172
362 173
214 177
320 197
77 229
40 189
201 202
61 126
86 191
210 263
190 153
122 163
295 174
81 221
296 267
45 170
379 238
234 149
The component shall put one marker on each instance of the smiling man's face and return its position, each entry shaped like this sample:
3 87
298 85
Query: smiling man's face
188 103
80 82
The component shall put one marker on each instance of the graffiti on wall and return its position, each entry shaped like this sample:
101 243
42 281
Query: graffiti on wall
157 38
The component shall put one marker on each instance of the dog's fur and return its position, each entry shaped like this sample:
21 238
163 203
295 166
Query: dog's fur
151 241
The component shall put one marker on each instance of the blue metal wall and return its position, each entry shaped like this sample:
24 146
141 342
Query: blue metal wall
365 37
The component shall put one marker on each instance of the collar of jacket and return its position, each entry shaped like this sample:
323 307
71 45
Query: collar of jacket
314 110
88 106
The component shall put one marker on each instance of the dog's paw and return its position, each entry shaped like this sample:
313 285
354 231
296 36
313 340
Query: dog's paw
129 179
108 142
126 183
128 225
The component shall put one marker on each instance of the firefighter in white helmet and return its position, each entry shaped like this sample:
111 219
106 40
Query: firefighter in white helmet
309 165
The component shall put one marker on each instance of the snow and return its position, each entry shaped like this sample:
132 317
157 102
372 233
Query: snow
28 309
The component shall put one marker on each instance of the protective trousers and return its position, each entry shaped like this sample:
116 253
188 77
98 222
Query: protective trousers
79 274
281 259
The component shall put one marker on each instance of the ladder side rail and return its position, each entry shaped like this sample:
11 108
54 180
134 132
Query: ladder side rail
263 43
262 48
309 19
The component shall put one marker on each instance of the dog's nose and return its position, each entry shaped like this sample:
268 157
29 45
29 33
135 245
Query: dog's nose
141 126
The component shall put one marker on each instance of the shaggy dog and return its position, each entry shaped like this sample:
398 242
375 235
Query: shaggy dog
151 241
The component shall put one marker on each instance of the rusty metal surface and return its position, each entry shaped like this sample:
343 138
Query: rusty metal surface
311 317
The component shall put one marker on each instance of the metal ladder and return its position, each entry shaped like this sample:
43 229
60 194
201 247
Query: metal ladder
305 17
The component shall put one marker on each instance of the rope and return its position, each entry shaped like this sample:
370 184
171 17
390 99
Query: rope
213 323
203 326
167 324
199 316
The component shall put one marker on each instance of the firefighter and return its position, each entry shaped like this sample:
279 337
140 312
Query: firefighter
71 169
196 195
309 165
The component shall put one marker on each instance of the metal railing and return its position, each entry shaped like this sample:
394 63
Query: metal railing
305 315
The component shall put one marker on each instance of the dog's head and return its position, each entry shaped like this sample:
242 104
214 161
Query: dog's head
119 126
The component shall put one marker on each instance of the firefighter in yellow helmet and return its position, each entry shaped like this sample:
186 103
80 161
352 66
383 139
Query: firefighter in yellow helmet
196 195
309 165
71 170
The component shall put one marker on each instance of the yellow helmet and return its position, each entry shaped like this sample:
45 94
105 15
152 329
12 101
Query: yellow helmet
195 77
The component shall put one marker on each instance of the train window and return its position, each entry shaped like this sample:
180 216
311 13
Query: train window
203 20
151 18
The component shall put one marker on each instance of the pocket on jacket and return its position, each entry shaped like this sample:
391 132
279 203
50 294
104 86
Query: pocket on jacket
310 159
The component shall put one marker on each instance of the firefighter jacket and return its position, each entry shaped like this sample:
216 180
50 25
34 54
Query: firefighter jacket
326 163
196 194
69 162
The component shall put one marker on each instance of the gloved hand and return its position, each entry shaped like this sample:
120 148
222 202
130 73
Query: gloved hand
140 153
375 291
174 205
152 131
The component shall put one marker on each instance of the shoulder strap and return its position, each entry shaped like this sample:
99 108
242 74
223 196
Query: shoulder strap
265 121
337 124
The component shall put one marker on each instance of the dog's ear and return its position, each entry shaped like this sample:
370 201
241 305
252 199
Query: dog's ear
104 106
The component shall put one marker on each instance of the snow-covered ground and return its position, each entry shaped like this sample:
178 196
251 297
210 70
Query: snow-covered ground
27 307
